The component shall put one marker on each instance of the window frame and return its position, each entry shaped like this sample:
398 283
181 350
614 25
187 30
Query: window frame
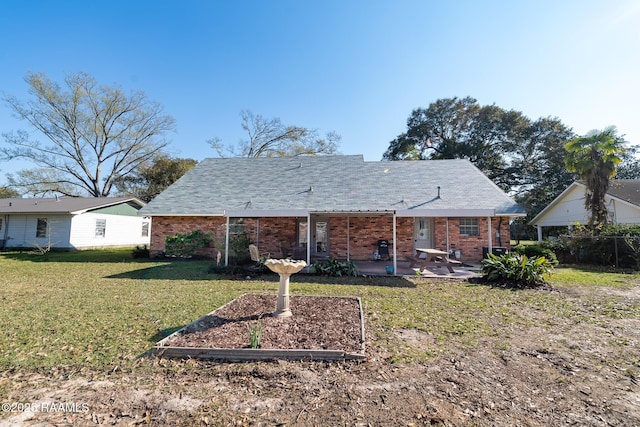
102 226
236 226
146 227
42 227
469 226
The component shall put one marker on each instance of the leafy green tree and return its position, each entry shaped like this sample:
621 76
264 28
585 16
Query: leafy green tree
516 153
594 158
152 178
8 193
271 138
95 135
629 167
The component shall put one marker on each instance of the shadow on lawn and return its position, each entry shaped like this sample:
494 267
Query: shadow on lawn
170 271
197 272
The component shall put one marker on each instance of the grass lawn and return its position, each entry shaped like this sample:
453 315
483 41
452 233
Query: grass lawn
102 310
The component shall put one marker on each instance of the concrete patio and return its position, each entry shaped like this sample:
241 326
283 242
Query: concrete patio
379 268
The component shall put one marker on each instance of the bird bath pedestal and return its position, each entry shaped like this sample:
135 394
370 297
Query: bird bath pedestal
285 268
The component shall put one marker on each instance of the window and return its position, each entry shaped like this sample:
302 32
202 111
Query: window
101 227
469 226
302 233
0 223
145 229
236 225
41 227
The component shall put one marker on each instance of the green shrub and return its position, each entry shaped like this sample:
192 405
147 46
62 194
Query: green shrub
536 251
335 268
140 252
185 245
516 270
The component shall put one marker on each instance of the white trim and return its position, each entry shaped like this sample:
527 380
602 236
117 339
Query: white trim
437 213
490 240
250 213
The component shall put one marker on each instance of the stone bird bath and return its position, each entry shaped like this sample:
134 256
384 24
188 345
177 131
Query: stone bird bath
285 268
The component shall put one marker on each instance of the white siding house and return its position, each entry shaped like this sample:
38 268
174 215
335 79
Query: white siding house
73 223
568 209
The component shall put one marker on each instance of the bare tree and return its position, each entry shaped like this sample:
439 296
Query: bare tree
271 138
95 134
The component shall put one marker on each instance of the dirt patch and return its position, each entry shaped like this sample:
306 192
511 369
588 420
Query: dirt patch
317 323
556 372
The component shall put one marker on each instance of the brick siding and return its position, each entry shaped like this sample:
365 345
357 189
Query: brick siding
356 236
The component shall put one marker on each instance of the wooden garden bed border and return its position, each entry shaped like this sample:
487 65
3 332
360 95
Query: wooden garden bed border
160 349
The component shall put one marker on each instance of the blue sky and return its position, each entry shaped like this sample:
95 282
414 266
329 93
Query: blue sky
354 67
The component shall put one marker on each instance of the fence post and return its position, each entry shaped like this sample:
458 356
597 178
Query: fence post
615 245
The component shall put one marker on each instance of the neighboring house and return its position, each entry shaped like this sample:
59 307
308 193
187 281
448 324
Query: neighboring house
72 223
568 209
337 206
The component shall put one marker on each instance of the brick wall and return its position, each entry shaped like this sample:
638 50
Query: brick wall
360 242
470 246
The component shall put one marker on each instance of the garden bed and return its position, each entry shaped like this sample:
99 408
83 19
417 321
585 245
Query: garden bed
321 328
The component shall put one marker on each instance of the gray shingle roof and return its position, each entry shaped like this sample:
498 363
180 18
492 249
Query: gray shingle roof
625 189
330 184
62 205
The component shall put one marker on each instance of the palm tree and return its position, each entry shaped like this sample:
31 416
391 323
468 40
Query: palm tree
594 158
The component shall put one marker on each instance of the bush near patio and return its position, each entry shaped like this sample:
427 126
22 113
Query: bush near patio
536 251
516 270
185 245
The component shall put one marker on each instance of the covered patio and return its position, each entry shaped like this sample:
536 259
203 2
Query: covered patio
379 268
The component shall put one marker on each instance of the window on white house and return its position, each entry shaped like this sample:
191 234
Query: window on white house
0 223
236 225
41 227
101 227
145 229
469 227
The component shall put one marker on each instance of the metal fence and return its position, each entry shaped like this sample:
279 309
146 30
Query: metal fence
618 251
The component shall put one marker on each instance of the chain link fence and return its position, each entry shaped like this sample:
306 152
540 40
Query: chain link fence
612 251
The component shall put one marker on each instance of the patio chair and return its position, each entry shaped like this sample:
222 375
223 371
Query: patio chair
256 255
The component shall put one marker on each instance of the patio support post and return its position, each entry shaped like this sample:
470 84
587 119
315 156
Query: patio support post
539 228
308 240
226 244
395 250
446 222
490 235
348 238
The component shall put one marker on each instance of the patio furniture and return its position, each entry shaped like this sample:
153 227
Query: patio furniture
383 249
286 249
256 255
434 258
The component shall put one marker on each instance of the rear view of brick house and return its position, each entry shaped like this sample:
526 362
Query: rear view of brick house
337 207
